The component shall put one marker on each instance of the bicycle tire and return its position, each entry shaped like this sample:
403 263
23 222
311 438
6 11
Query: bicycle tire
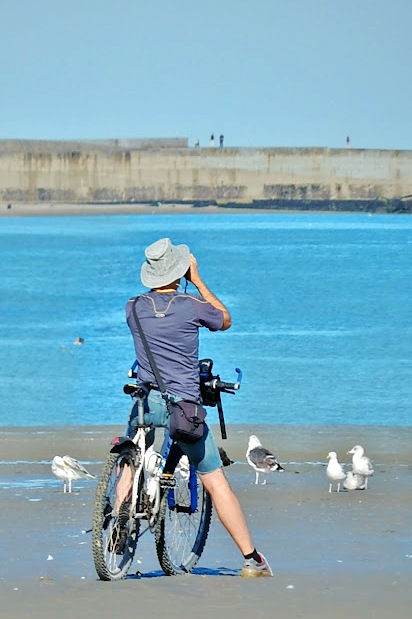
180 536
114 536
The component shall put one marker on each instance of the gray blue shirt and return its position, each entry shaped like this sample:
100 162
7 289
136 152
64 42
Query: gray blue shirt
171 322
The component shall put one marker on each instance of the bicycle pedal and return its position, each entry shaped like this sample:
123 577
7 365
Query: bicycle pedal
167 481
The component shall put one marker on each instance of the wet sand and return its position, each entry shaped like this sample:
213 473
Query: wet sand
334 555
34 209
24 209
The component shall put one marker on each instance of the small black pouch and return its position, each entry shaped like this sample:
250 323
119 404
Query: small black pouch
187 421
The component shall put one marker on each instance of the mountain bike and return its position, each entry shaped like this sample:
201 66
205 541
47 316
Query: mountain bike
141 490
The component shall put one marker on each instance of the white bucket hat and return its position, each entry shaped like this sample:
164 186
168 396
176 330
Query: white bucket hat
165 263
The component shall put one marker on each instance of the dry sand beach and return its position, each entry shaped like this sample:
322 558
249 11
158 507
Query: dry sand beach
334 555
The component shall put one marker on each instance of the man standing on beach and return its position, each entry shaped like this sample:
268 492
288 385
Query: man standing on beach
171 322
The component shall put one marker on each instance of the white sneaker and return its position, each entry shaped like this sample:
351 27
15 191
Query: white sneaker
253 569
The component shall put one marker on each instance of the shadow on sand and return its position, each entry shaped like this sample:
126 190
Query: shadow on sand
201 571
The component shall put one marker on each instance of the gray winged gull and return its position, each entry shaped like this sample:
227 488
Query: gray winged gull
354 481
69 469
361 464
260 459
334 471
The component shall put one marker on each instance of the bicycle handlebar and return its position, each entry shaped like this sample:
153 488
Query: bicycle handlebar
210 389
215 383
221 385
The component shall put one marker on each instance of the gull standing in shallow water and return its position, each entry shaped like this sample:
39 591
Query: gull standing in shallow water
334 470
68 469
361 464
260 459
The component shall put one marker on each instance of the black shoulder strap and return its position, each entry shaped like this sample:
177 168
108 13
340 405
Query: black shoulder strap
147 349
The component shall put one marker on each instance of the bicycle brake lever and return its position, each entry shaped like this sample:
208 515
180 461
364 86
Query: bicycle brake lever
131 373
239 377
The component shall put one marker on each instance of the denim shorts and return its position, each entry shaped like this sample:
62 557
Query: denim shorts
203 454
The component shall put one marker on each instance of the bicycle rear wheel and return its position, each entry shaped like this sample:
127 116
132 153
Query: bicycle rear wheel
184 522
114 532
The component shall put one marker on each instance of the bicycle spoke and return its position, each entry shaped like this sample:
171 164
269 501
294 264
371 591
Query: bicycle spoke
114 533
181 533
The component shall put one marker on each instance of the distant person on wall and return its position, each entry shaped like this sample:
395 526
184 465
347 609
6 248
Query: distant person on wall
212 140
347 141
221 140
197 144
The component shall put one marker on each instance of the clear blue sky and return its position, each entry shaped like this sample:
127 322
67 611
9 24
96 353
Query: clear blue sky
262 72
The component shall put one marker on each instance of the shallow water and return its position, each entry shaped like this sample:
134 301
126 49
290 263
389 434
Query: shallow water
321 310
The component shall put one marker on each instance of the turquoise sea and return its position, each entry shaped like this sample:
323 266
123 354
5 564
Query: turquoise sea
321 307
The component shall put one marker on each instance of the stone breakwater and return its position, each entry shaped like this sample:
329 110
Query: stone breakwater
168 171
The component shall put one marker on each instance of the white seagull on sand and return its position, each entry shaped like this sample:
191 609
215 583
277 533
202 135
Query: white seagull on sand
68 469
361 464
260 459
334 470
354 481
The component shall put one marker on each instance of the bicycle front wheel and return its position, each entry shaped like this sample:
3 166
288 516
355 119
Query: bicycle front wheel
184 522
115 531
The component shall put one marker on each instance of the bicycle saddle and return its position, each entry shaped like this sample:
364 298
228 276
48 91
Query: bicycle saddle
136 390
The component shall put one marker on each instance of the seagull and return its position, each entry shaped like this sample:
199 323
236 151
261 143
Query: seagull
260 459
354 481
68 469
334 470
361 464
226 461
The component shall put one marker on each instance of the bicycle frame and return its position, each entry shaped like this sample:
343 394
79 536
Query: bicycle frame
153 472
153 475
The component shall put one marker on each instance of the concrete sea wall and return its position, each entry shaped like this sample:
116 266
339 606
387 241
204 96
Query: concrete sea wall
146 171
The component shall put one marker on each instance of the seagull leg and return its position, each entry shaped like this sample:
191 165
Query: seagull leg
257 477
264 482
70 485
64 487
338 488
366 483
330 487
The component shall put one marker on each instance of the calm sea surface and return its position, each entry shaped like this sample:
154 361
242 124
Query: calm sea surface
321 307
